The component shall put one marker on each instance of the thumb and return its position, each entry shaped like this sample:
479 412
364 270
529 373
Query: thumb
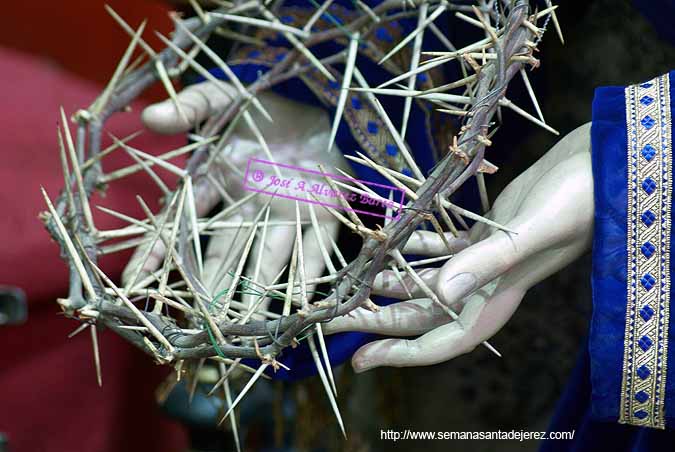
197 102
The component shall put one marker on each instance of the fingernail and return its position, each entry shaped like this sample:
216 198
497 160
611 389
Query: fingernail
458 287
361 362
360 365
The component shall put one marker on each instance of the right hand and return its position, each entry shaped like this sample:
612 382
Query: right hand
549 206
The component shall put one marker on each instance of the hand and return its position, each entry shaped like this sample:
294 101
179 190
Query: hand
549 206
298 136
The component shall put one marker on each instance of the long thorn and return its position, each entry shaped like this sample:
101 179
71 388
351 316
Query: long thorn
244 390
70 248
97 354
83 198
346 82
324 381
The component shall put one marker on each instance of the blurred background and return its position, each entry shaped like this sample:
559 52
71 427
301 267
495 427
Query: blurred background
61 53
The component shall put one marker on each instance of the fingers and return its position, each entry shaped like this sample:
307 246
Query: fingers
206 197
428 243
221 254
276 254
388 284
476 266
478 322
406 318
198 101
315 263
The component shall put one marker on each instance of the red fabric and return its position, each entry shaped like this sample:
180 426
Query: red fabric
80 34
49 398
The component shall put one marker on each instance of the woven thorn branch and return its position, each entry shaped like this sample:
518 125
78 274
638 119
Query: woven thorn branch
188 325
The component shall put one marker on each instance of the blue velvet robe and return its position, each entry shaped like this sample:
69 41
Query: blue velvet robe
622 393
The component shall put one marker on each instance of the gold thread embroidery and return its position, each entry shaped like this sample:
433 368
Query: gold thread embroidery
648 125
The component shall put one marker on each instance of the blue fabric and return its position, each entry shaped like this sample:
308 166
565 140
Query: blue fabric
573 413
609 144
590 403
606 342
295 89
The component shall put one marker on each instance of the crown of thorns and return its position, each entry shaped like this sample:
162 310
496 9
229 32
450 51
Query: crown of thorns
187 324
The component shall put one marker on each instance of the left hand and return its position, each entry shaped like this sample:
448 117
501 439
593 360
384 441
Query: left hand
549 206
298 136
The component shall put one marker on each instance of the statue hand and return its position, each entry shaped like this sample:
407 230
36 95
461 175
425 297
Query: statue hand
298 136
549 206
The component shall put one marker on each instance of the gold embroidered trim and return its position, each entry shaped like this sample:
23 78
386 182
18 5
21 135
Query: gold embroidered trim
648 124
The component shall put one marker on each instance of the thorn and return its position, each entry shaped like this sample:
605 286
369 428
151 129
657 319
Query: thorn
346 83
288 298
423 22
151 328
399 278
245 389
458 210
170 90
228 399
414 63
507 103
240 266
301 258
123 172
261 250
319 238
200 12
398 257
78 330
192 212
130 31
398 140
97 355
270 24
170 248
533 28
343 202
482 190
326 357
368 11
70 248
74 161
108 150
66 173
484 23
298 45
336 250
153 175
195 380
530 91
449 56
556 24
324 381
318 13
232 77
100 103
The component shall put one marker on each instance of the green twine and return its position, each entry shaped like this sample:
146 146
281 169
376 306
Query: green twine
246 289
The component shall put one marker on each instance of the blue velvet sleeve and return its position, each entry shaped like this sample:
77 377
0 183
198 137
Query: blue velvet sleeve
631 358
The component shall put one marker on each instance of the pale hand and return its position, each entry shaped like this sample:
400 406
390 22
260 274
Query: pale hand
298 136
549 206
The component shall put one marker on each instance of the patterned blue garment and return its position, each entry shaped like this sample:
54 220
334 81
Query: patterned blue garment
627 373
